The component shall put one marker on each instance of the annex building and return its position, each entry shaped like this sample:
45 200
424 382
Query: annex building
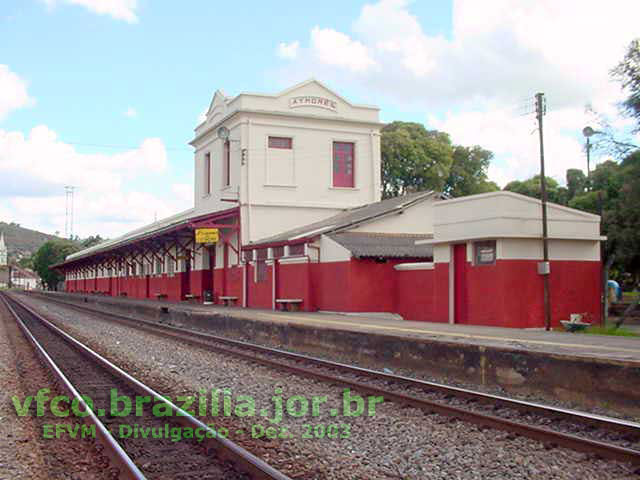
287 214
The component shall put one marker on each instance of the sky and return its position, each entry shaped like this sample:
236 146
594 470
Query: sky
104 95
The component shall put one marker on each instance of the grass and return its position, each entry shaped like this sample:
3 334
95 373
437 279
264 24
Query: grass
619 332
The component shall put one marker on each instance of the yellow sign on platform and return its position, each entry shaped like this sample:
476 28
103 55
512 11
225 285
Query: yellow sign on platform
207 235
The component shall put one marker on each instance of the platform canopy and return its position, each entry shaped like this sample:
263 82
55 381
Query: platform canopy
161 236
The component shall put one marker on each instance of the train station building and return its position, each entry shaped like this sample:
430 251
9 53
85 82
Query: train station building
287 215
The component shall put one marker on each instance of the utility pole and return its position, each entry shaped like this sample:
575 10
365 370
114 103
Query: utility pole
68 219
544 269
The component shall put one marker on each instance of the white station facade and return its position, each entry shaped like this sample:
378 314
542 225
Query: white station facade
287 199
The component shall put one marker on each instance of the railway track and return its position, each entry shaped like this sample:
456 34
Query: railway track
606 437
83 375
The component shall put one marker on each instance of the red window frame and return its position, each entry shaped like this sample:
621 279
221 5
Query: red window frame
207 173
285 143
227 163
343 164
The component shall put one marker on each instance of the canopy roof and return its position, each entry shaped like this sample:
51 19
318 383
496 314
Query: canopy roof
168 228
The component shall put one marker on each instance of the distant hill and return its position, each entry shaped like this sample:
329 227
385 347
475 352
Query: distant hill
22 242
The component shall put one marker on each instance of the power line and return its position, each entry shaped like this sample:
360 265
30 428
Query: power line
125 147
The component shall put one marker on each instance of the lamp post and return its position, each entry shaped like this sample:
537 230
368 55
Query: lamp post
588 132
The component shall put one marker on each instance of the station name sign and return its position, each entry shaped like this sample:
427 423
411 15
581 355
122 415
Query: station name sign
207 235
312 101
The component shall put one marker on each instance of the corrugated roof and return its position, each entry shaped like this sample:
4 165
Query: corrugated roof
349 217
153 229
147 229
390 245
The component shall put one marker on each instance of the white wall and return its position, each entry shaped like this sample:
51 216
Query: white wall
281 189
331 251
441 253
417 219
505 214
530 249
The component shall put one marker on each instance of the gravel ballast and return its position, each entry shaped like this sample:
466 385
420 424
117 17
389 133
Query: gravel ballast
395 443
24 453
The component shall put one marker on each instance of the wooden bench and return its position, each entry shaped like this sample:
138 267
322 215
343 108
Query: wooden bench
228 301
288 304
160 295
191 296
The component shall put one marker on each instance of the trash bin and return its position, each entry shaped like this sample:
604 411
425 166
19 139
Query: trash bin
207 297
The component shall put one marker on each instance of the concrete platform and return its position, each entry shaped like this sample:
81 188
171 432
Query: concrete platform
587 370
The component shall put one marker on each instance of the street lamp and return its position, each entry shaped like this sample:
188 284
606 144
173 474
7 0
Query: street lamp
588 132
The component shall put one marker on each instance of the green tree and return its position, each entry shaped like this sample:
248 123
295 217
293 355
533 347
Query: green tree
531 187
468 172
51 253
91 240
588 202
628 72
622 216
615 141
414 158
615 195
26 262
576 182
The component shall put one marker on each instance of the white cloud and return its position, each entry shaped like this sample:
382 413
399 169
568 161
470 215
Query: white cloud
514 140
13 92
107 200
288 50
471 83
183 191
118 9
337 49
131 112
395 34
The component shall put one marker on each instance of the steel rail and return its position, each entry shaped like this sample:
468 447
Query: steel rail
225 449
606 450
617 424
119 459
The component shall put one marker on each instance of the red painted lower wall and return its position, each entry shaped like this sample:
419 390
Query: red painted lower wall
507 294
415 294
294 280
227 283
331 286
372 285
259 293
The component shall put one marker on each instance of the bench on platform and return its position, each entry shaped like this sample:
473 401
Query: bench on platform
228 301
191 296
123 294
288 304
160 295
